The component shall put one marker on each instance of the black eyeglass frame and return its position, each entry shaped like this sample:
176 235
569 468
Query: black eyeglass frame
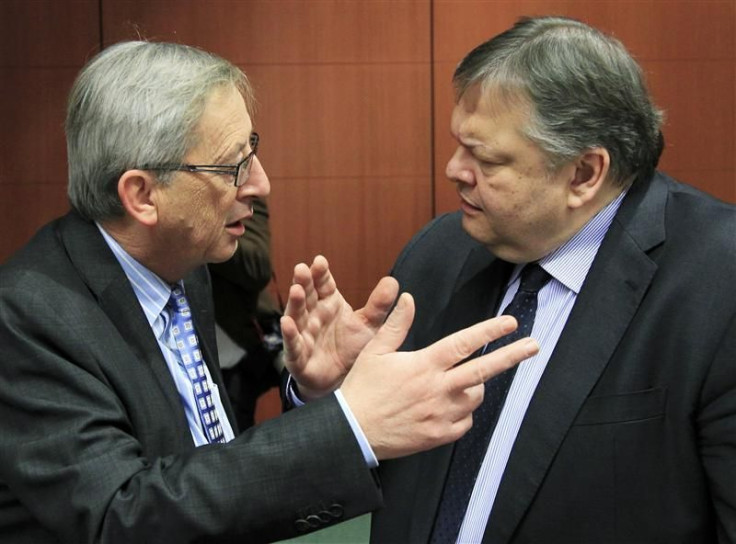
231 169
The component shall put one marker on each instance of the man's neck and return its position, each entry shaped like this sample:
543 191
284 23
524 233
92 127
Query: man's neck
139 242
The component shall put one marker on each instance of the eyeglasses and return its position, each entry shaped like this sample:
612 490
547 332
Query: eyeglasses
240 171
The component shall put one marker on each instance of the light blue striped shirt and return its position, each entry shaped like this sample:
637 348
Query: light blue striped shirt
568 265
153 293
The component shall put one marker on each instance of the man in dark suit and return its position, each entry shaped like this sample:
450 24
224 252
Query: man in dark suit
623 428
113 426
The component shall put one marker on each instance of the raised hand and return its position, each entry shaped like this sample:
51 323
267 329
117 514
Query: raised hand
407 402
322 333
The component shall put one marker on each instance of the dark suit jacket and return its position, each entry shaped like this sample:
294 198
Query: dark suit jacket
631 434
95 445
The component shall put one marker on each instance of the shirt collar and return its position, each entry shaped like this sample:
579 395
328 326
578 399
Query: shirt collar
569 263
152 292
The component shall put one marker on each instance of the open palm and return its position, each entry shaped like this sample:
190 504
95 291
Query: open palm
323 335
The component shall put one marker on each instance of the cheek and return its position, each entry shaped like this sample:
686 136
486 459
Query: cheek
503 201
201 223
214 207
217 216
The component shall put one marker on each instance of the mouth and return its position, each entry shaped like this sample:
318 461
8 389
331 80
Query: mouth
467 206
236 228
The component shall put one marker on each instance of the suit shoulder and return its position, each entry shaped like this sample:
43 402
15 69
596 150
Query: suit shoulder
694 213
441 241
428 268
41 275
38 258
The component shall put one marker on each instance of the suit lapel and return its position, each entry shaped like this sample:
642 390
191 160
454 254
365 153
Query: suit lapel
106 280
475 296
613 290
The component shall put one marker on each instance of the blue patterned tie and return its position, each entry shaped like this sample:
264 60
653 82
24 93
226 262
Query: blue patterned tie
471 448
191 358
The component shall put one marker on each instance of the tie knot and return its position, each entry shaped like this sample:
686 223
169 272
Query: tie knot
178 301
533 278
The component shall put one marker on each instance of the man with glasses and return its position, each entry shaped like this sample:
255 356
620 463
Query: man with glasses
114 428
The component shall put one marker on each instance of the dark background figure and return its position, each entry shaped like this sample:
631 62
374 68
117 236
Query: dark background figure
246 312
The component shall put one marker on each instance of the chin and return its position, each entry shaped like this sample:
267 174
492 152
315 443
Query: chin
501 250
476 231
223 254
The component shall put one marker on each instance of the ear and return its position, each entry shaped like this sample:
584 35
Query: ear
591 171
136 189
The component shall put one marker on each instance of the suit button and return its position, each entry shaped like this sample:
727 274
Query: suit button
336 511
302 526
314 521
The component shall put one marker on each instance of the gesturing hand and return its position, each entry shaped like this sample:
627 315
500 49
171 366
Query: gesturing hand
322 333
407 402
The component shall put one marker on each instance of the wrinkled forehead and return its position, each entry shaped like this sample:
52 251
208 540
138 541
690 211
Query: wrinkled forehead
498 95
225 126
491 103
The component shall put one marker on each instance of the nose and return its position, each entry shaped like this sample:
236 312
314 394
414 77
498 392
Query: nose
457 169
258 183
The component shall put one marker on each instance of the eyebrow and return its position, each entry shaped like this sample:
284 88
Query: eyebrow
484 152
232 151
475 146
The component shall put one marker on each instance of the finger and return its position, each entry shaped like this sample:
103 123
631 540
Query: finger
322 278
379 302
458 346
301 274
293 344
296 306
393 332
464 402
478 371
303 277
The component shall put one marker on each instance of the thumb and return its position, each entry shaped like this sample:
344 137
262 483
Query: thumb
393 332
379 302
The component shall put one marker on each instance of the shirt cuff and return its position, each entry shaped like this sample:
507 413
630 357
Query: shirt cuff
365 447
291 394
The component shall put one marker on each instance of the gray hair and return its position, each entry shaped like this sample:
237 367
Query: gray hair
133 104
585 91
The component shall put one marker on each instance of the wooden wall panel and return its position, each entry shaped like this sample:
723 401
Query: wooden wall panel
280 31
39 59
700 123
687 49
37 33
350 179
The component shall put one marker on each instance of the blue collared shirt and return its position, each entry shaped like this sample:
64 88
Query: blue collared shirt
153 293
568 265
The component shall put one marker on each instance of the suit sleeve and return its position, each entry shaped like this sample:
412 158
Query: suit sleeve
717 432
76 464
